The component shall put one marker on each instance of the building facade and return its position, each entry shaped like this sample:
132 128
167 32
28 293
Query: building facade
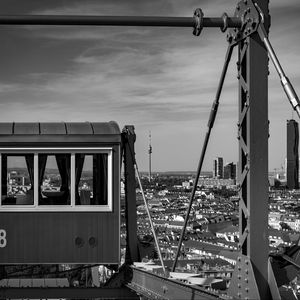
230 171
218 168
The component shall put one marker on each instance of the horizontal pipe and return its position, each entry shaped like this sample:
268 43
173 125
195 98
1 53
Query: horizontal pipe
114 21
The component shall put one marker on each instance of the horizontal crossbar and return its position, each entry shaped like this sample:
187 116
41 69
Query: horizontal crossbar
153 286
67 292
115 21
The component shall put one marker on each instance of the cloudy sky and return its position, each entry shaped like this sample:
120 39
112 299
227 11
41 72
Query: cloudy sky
161 80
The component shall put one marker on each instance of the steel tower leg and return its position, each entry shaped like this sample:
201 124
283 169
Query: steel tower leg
250 279
128 140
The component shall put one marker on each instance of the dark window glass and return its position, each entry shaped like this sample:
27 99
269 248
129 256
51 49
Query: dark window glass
91 179
17 179
54 179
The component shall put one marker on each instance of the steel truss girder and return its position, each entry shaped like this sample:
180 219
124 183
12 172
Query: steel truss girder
73 292
253 132
153 286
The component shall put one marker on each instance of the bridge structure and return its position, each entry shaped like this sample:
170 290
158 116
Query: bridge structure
256 275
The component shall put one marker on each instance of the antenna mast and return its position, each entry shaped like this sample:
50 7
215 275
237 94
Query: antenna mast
150 152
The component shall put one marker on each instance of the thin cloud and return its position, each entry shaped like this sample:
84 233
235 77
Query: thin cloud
159 78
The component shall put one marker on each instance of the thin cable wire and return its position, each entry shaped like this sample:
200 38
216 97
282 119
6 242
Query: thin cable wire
149 216
146 206
210 124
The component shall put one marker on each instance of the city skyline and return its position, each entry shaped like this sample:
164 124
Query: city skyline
161 80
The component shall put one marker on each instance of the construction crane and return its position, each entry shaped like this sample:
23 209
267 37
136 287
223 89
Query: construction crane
257 275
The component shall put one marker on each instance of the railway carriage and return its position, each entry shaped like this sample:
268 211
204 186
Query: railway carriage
60 193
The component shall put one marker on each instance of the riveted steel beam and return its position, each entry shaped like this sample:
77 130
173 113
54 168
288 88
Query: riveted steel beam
253 132
153 286
68 292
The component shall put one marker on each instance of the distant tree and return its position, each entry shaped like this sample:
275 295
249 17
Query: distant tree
285 226
225 193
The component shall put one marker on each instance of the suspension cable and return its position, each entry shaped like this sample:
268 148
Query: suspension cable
285 82
149 216
210 125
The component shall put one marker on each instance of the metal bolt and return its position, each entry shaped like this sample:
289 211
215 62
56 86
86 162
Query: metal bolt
239 286
247 262
239 258
239 276
229 38
246 271
245 1
247 290
246 280
79 242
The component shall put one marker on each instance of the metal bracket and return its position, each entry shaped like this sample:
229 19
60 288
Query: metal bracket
198 16
247 12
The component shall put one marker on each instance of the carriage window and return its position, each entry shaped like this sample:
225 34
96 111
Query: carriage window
47 178
17 179
91 179
54 179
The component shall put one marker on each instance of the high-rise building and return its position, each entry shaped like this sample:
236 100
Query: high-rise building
230 171
292 165
218 167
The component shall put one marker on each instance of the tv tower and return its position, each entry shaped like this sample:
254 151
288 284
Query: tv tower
150 152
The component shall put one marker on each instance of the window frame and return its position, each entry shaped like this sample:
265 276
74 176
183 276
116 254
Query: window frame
56 150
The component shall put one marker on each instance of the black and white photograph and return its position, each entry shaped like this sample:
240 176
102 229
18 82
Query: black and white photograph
149 149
